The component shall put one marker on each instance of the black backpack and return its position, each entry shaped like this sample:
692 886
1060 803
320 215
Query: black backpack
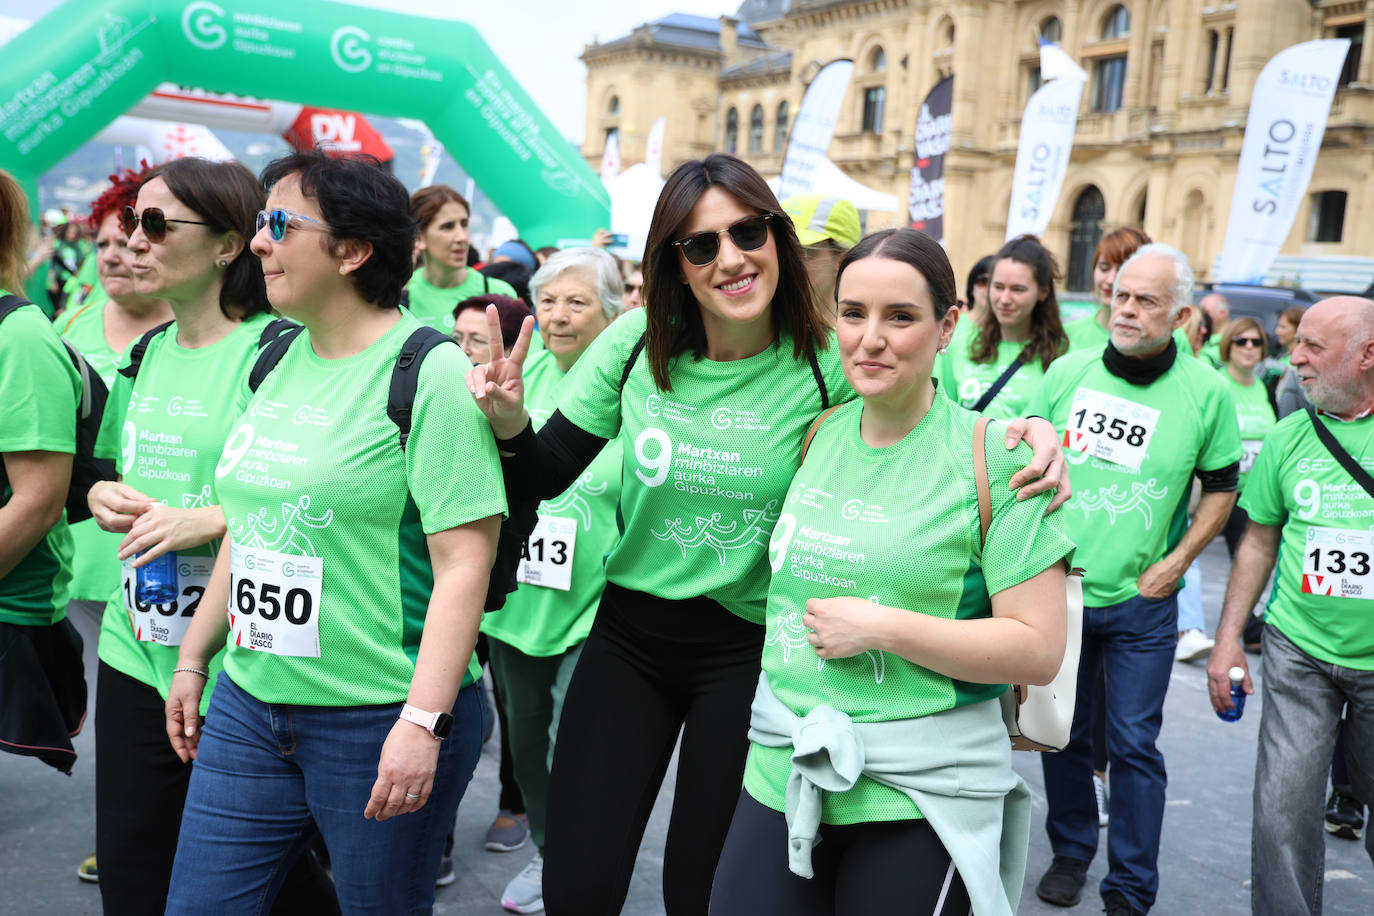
275 328
400 402
87 470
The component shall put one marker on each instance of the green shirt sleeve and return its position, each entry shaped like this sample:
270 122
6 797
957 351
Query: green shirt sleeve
40 386
1221 447
1263 496
452 467
590 396
1022 541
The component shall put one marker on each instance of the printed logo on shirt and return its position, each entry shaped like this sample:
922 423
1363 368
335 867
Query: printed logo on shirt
1330 500
718 535
656 405
144 404
1114 502
857 509
809 496
314 416
574 500
268 410
189 407
287 532
789 635
735 418
250 457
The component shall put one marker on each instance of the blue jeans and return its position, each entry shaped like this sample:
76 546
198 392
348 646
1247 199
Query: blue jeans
1301 715
1190 600
267 774
1134 643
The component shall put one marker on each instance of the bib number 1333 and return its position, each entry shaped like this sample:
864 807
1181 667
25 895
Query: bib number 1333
274 601
1338 563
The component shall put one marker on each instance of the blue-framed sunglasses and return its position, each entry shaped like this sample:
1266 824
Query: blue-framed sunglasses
278 221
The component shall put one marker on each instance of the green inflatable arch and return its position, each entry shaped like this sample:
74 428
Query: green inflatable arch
89 61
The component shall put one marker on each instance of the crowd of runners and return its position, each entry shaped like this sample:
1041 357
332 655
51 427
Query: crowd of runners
737 500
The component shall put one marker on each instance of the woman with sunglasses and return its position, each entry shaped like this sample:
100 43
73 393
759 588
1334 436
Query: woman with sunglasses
710 388
1242 349
165 426
355 569
444 278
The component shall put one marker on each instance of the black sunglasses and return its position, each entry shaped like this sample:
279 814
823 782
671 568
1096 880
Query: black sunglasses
747 234
1246 342
154 222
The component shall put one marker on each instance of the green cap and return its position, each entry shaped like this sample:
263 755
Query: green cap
818 218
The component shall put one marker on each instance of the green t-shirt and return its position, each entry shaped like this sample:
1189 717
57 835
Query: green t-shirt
95 568
706 465
1130 509
965 381
1086 334
314 468
1322 597
41 388
166 429
1256 417
855 521
434 306
540 620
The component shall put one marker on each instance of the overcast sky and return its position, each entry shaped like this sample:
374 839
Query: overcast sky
538 40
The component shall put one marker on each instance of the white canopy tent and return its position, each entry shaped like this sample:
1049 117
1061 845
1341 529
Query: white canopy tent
832 181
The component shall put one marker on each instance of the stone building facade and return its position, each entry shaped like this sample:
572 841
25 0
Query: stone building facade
1159 132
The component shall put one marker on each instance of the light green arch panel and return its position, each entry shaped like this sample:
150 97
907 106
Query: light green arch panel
89 61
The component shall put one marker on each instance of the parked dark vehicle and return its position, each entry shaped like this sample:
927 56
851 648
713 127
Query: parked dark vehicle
1262 303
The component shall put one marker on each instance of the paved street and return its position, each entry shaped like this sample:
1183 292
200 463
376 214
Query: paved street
47 823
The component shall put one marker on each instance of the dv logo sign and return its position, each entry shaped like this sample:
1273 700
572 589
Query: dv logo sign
335 131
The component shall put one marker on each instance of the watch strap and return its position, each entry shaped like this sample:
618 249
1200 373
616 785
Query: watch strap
423 718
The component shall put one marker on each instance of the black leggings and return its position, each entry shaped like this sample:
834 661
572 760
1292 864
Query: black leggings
897 867
650 668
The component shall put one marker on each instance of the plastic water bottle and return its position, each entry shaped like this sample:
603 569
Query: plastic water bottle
157 580
1237 676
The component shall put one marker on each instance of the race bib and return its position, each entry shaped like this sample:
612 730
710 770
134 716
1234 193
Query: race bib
547 554
1111 428
165 624
274 601
1252 450
1337 563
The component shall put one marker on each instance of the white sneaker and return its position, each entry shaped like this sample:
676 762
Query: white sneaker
1100 790
525 893
1193 645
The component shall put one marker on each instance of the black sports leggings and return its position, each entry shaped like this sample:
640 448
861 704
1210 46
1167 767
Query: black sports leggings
650 668
896 867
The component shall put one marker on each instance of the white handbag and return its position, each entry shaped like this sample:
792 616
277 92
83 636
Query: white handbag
1037 718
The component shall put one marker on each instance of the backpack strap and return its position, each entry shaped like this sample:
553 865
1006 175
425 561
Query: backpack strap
1347 461
980 478
996 387
630 363
139 348
270 355
75 315
83 369
820 383
11 303
405 377
275 328
815 427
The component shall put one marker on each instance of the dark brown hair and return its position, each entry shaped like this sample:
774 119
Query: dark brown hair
512 313
1233 329
1048 341
1118 245
228 197
426 203
917 250
672 312
14 234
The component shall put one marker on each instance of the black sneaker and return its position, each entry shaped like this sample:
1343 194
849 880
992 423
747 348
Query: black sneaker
1344 814
1114 903
1063 884
446 874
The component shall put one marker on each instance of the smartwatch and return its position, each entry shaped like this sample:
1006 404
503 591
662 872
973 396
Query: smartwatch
438 724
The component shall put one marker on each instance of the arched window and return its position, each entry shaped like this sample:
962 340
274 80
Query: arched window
780 130
756 131
947 34
1051 29
1117 23
731 131
877 61
1088 212
1193 221
613 107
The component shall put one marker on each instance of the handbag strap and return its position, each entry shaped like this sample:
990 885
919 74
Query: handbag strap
997 386
980 478
815 426
1352 467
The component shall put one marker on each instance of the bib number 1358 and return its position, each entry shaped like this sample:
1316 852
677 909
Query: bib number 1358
1109 428
274 601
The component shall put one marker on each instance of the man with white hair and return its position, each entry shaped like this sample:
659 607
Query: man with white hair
1138 422
1311 504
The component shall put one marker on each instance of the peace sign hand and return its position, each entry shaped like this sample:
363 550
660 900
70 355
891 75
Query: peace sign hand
498 386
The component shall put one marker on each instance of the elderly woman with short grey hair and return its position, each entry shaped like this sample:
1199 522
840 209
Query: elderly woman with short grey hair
536 639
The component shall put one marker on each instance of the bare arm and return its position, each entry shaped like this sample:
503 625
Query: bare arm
1254 562
462 559
1161 578
1022 642
204 637
38 481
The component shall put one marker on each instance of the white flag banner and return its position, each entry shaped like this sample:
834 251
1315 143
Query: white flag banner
1042 155
1282 137
813 127
653 150
610 158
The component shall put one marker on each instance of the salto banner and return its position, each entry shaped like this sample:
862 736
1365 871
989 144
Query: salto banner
1042 154
926 200
809 140
1283 135
89 61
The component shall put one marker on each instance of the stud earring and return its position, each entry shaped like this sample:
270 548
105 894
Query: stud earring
221 263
